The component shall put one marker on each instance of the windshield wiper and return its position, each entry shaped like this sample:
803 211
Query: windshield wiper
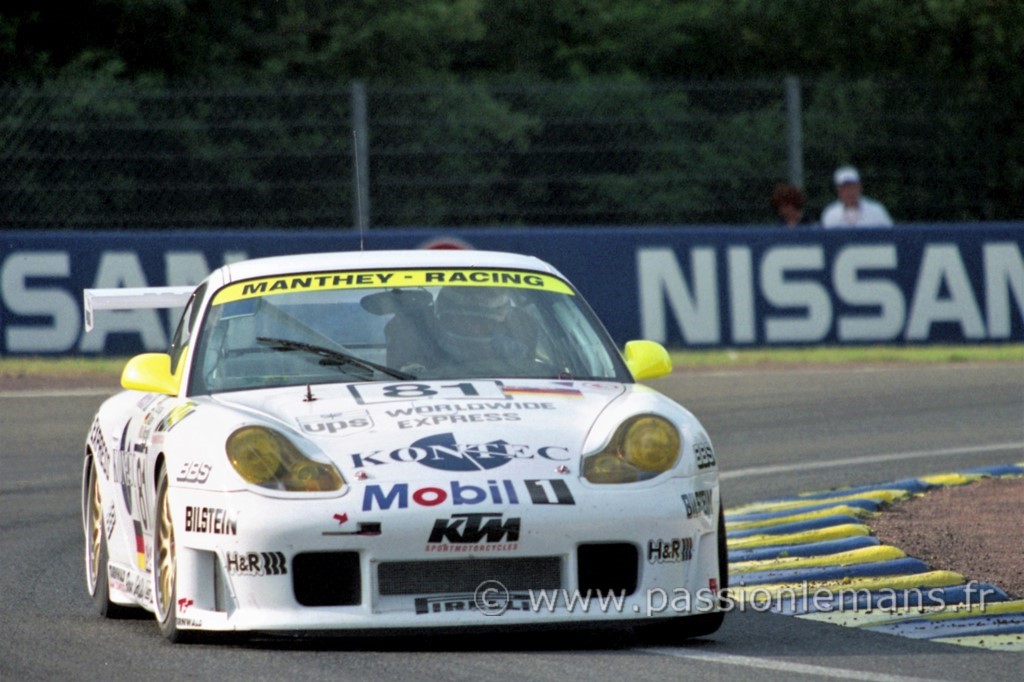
332 357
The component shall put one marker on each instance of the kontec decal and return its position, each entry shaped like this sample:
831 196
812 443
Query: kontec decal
442 452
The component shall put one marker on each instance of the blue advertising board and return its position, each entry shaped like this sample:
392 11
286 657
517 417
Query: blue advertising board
702 287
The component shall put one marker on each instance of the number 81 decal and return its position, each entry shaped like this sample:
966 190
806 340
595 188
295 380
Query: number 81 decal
465 390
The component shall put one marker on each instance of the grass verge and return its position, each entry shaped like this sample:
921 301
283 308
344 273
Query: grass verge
40 366
836 355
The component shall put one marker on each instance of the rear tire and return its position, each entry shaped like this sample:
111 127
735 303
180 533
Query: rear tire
96 557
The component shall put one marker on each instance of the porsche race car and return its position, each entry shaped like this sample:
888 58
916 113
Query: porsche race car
385 440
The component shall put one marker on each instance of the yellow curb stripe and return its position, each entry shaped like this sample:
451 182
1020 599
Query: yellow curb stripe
865 617
887 495
863 555
849 586
933 613
844 530
999 608
991 642
953 478
838 510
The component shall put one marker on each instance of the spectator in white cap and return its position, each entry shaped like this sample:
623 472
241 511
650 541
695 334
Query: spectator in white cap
852 209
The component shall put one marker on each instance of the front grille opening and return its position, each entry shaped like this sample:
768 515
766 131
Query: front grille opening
327 579
611 568
466 575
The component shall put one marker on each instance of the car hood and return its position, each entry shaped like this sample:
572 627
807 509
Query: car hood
420 431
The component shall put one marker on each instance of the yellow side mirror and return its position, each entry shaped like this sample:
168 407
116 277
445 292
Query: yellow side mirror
647 360
150 372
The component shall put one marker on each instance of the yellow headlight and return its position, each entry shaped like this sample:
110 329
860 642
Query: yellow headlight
642 447
651 444
605 467
255 454
265 458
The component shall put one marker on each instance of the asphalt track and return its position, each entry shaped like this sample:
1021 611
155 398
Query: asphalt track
776 433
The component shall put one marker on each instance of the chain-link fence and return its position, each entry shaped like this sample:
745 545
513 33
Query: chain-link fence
487 154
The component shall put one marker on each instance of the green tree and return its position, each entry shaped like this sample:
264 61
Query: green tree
860 60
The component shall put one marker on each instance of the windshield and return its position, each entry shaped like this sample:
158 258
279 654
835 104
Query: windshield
399 325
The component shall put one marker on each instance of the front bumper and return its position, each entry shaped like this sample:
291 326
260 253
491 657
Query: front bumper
252 563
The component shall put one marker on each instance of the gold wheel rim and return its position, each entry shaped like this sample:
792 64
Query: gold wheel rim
95 530
165 557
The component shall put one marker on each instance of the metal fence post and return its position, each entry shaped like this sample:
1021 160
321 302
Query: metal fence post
794 131
360 158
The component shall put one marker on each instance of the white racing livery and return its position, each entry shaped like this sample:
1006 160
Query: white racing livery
396 439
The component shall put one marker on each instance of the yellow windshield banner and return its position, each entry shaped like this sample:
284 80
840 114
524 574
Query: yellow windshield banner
367 279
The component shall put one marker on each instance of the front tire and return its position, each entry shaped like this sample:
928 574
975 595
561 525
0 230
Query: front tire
96 556
165 585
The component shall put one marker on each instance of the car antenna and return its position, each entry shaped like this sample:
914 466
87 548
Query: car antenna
360 215
309 394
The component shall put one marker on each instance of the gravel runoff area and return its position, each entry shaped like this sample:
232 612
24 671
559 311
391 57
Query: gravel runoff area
973 529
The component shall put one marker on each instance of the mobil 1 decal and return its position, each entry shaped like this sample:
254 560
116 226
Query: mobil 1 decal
494 491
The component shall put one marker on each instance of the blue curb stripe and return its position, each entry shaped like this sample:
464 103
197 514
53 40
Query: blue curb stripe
862 601
905 566
997 471
868 505
975 625
795 527
807 549
911 485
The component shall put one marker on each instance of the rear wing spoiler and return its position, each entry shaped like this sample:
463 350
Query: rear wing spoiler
132 299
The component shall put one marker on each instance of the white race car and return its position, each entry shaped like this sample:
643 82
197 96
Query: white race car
396 439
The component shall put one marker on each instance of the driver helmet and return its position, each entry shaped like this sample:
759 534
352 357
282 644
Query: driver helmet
470 318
